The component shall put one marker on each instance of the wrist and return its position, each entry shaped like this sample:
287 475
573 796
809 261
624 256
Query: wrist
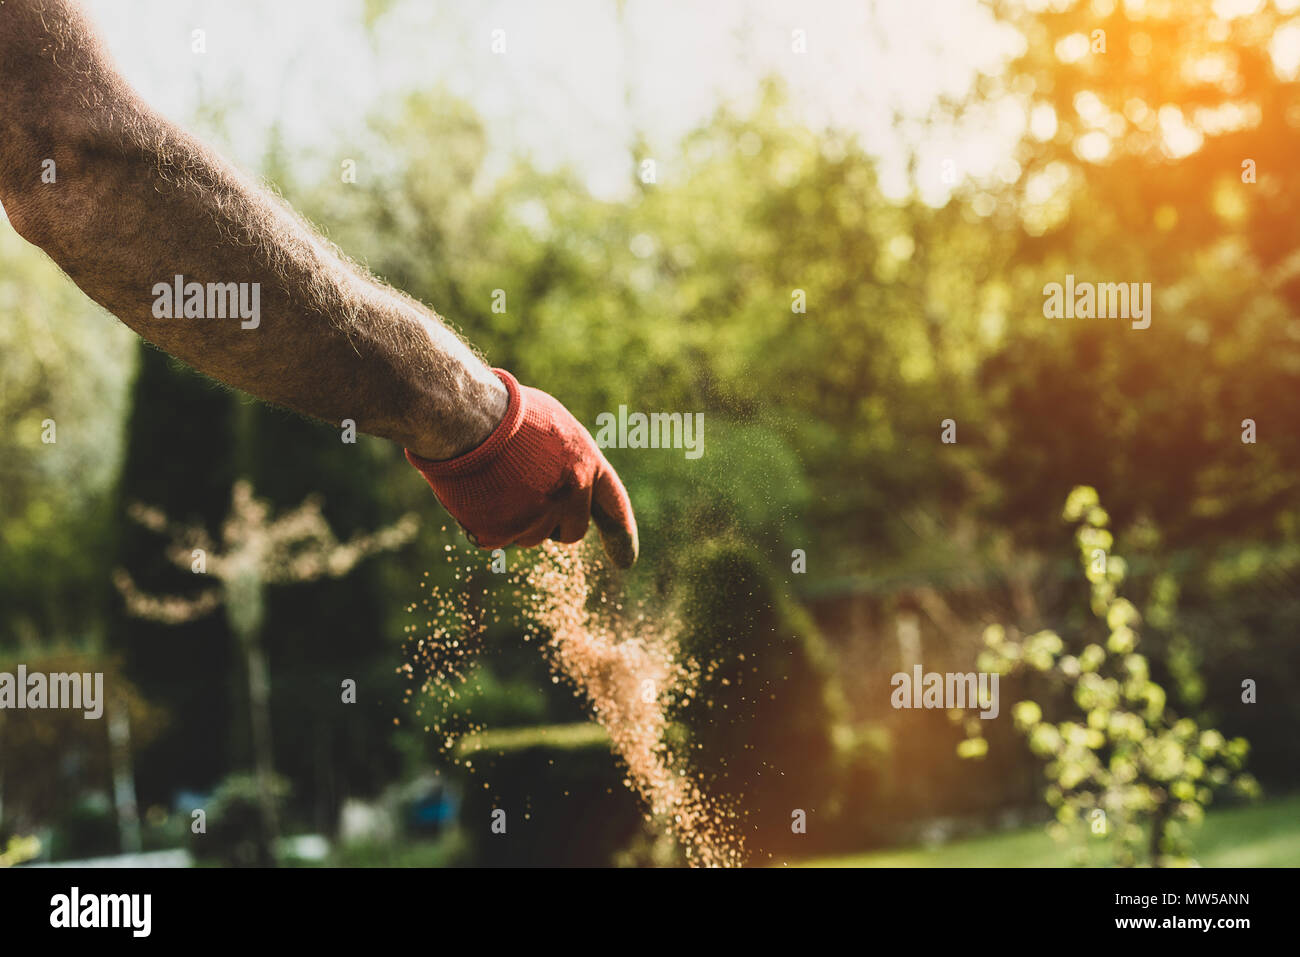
486 409
485 404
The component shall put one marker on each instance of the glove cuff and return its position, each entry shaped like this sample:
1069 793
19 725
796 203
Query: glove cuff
484 455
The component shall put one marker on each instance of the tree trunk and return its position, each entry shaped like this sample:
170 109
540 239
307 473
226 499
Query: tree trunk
259 702
1159 821
119 743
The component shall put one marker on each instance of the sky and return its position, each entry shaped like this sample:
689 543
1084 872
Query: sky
576 78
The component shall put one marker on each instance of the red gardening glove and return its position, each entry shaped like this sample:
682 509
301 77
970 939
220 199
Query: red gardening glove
539 475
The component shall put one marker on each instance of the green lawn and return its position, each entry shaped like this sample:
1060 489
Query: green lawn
1266 834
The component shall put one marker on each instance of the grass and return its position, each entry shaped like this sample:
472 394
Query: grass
1266 834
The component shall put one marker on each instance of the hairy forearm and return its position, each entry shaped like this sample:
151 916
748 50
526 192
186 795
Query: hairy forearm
136 202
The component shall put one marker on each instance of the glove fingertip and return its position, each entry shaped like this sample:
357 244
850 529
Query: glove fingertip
611 509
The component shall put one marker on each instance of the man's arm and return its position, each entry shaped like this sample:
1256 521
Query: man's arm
137 202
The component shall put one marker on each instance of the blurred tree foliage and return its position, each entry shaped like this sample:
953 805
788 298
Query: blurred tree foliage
680 299
1155 151
37 790
62 359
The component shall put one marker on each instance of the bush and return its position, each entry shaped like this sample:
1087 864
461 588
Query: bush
233 831
764 717
88 828
562 793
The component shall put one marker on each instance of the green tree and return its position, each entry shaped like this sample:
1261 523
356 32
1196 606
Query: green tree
1127 774
255 551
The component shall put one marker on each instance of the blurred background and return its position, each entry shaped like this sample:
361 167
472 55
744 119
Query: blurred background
827 226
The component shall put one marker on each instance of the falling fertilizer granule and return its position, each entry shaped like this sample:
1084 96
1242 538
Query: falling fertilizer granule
625 667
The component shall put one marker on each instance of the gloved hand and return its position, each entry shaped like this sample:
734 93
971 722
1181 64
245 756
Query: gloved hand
539 475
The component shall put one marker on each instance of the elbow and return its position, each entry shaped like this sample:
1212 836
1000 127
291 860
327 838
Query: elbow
27 219
27 191
50 156
43 188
